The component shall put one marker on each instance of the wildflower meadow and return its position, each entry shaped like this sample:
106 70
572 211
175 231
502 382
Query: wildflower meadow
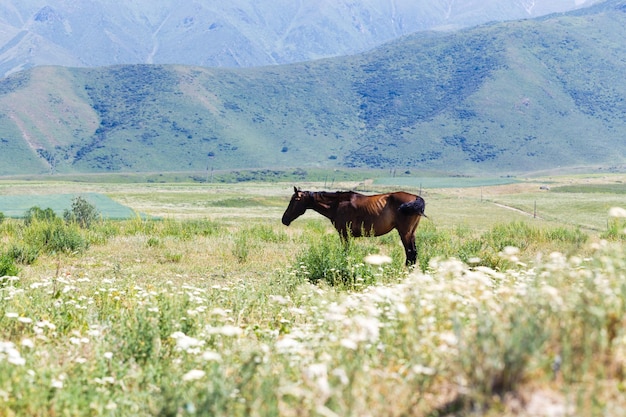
221 311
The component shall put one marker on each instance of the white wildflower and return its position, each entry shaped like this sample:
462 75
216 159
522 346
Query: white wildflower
287 345
193 375
349 344
510 250
377 259
279 299
9 352
553 293
26 342
108 355
317 373
75 340
219 312
401 308
227 330
423 370
14 358
105 380
617 212
184 342
342 375
46 323
366 329
449 338
93 332
211 356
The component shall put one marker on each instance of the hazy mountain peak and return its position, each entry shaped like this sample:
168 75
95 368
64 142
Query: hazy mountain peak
237 33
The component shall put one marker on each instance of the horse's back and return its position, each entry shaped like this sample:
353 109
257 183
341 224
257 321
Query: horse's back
378 203
403 196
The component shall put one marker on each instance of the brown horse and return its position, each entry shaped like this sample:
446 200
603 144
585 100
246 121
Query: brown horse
355 214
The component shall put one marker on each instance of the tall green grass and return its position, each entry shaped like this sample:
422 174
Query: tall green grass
486 249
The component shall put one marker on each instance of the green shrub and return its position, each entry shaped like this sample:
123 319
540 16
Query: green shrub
138 226
7 266
154 242
341 265
266 233
566 235
170 257
517 234
100 232
54 237
1 217
241 250
188 229
82 213
37 213
616 230
23 254
431 243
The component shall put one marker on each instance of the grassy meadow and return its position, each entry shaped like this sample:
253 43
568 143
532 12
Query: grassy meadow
209 306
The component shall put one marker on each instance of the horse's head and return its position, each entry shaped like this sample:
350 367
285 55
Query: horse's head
300 201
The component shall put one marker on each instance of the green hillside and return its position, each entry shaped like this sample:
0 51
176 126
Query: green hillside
500 98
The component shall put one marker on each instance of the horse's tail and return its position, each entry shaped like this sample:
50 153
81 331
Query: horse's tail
414 207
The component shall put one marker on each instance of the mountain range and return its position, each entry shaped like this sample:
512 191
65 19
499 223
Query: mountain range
505 97
237 33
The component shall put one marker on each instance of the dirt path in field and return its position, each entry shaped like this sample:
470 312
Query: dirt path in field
525 213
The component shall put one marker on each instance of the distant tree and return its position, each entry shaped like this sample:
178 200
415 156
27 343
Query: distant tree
82 212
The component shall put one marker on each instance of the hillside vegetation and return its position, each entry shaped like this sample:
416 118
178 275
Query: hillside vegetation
500 98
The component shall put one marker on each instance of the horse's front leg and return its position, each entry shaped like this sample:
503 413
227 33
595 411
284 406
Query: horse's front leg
344 235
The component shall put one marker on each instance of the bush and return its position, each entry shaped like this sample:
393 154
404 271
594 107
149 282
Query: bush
616 230
241 248
329 260
187 229
37 213
82 213
1 217
7 266
54 237
23 254
266 233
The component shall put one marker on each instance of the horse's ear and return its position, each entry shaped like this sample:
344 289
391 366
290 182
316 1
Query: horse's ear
295 189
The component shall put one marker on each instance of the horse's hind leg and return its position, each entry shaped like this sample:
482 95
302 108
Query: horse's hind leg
408 240
411 252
